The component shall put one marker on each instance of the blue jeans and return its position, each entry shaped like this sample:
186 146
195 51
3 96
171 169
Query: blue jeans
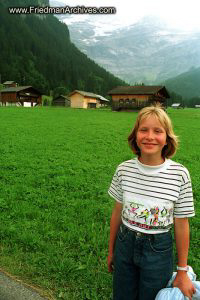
143 264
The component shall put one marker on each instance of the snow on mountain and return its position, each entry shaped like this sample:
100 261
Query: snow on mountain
147 51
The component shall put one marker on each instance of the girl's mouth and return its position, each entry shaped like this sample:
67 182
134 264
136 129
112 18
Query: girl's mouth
149 144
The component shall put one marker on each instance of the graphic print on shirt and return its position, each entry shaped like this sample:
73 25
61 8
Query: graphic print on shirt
134 208
145 214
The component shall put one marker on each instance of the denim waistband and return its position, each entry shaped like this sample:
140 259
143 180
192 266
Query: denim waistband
143 234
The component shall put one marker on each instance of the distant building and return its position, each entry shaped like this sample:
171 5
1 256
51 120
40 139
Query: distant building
82 99
20 95
61 101
177 105
136 97
8 84
103 101
197 106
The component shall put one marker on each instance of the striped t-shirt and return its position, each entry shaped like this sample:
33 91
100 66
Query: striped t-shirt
152 195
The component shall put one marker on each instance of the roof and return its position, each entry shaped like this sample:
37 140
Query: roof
102 98
88 94
9 82
17 89
176 104
62 96
138 90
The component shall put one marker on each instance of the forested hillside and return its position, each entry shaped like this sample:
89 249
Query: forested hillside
186 84
36 50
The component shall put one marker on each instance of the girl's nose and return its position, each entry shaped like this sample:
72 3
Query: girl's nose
150 135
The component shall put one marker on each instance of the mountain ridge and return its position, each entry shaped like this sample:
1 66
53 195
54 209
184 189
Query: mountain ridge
147 51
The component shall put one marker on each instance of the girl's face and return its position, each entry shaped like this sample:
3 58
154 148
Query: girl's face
151 138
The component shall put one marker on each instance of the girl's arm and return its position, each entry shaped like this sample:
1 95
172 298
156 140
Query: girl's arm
182 233
114 227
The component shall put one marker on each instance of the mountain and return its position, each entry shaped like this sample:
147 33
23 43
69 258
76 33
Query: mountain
147 51
36 50
186 84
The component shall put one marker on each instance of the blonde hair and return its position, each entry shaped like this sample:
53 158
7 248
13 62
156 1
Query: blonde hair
172 140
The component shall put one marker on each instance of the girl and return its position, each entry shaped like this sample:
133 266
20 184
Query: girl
152 192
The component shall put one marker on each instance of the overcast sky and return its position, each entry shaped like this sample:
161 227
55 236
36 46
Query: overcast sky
182 14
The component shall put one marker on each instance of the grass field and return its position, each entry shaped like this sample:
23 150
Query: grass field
55 168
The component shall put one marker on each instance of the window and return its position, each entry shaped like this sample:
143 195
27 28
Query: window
92 105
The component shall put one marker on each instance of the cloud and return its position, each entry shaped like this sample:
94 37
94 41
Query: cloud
177 13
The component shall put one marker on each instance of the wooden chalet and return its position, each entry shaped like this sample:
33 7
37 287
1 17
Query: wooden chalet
19 95
61 101
10 83
137 97
82 99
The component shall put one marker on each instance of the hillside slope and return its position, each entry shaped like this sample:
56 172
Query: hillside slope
185 84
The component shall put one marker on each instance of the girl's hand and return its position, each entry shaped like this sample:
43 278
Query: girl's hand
183 282
110 263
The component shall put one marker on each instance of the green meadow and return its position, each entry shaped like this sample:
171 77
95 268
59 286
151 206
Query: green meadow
56 165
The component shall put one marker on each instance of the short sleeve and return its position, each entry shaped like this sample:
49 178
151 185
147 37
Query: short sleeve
115 190
184 206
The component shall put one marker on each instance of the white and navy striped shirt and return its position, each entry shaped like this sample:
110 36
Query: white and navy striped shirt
152 195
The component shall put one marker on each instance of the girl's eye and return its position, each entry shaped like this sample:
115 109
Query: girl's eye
158 131
143 129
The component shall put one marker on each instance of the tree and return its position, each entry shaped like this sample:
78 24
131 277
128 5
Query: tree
174 98
61 90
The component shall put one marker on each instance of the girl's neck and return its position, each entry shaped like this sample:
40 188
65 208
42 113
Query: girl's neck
151 161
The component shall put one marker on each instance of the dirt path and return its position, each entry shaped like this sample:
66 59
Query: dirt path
11 289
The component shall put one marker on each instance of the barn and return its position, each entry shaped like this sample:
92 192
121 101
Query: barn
61 101
19 95
82 99
136 97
